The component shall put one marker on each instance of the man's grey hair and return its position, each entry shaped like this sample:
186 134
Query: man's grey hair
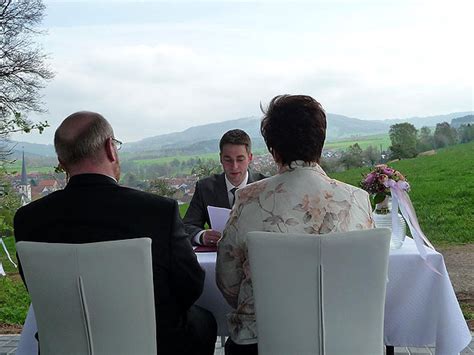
72 148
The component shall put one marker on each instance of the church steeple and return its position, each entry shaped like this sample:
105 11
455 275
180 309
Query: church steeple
24 177
24 187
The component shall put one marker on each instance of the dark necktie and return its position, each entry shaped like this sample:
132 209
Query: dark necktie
232 191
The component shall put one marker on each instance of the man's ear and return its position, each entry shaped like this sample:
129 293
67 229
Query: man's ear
250 156
61 167
110 150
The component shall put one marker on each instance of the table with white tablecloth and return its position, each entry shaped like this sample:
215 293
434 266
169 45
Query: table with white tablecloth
421 308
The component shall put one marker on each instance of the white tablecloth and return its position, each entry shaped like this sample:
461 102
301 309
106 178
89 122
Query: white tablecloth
211 298
421 308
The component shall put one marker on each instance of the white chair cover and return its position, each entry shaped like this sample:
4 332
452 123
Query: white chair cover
319 294
92 298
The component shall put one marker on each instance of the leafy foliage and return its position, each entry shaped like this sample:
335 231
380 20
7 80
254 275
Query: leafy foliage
403 138
444 135
9 203
161 187
466 133
23 71
352 157
371 155
206 168
425 140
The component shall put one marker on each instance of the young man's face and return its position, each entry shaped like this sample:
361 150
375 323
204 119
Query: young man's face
235 160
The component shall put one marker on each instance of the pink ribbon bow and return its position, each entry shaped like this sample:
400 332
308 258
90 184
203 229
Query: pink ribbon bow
400 199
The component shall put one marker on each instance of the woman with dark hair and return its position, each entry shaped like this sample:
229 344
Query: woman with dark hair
301 198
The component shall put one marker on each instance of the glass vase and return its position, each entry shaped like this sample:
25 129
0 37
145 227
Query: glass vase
383 219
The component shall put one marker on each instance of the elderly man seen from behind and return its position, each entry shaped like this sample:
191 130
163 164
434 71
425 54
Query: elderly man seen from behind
93 207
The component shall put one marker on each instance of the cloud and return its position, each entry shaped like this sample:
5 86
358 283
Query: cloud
214 62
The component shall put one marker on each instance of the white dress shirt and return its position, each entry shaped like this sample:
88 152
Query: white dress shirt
230 196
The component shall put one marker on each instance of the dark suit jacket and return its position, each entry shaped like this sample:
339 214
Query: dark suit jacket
210 191
94 208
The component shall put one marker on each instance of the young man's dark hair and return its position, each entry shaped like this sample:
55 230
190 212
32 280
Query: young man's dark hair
236 137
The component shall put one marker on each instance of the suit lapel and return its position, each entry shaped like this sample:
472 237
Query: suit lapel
222 198
252 177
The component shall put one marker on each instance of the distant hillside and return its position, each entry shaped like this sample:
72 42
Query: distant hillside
204 139
339 127
199 139
31 149
457 122
192 135
419 122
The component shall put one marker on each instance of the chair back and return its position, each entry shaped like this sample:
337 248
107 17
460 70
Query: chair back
94 298
319 294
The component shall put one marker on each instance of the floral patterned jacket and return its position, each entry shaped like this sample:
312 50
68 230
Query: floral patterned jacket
300 199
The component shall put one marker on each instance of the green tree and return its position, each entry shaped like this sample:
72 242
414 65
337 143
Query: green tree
466 133
444 135
23 68
161 187
9 203
425 140
371 155
130 180
352 157
206 168
265 166
403 138
331 165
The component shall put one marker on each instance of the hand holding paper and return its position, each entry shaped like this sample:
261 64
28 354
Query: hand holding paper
218 217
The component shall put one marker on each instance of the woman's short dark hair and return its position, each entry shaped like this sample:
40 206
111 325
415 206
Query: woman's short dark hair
294 127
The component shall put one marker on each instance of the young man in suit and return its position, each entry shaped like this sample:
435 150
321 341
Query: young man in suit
93 207
218 190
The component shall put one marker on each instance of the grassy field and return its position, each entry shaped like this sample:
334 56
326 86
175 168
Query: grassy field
376 141
14 300
167 160
16 168
442 193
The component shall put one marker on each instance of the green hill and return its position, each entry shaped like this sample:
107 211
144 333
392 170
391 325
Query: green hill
442 192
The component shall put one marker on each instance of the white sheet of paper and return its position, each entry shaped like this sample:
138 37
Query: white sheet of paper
218 217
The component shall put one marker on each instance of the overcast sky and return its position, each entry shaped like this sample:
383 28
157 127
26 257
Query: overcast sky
154 67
